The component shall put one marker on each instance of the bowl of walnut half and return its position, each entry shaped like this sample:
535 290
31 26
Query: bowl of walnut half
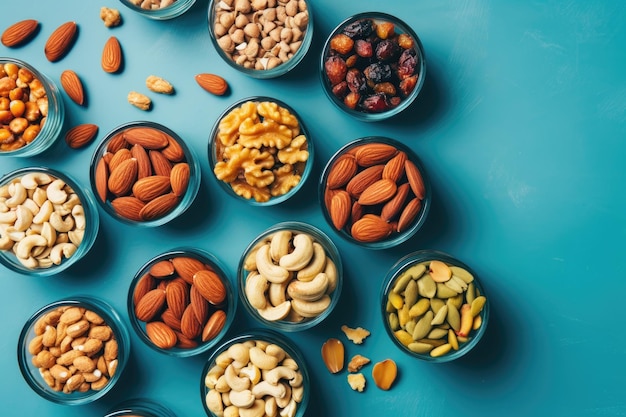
260 151
372 66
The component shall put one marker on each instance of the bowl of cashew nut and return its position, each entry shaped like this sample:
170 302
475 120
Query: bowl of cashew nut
47 221
290 277
260 151
263 374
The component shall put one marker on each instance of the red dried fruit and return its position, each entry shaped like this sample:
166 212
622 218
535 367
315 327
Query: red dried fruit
364 48
336 69
408 85
341 43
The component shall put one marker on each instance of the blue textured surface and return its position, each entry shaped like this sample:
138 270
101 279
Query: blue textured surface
521 125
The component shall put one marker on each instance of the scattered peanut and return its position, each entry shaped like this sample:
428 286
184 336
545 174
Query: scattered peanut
141 101
110 17
159 85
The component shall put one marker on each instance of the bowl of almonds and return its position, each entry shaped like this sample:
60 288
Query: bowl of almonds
375 193
48 221
144 174
73 351
261 38
433 306
181 302
31 110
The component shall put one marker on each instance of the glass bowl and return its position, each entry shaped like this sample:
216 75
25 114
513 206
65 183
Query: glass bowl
277 38
139 193
48 221
273 370
271 174
85 363
175 9
140 407
31 107
181 302
374 192
290 277
372 66
433 306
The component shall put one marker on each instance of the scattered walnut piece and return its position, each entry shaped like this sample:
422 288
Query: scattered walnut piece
139 100
357 382
159 85
357 362
110 17
355 335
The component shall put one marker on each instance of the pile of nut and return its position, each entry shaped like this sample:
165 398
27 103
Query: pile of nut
260 151
254 378
183 302
74 349
370 67
23 106
42 220
434 308
143 173
373 191
290 277
260 34
152 4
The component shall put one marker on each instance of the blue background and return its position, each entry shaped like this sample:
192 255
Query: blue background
521 126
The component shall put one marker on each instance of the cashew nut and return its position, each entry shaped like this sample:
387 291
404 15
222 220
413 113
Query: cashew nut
257 409
56 193
18 195
24 218
223 359
290 409
251 372
8 217
239 353
311 308
276 293
49 233
45 210
309 291
213 401
31 206
242 399
76 236
315 266
279 245
276 351
33 180
271 408
45 261
61 250
264 388
78 213
331 273
30 262
255 288
60 224
280 372
39 196
233 380
72 201
290 363
25 246
271 272
297 393
221 385
211 377
275 313
301 254
262 360
231 411
283 402
5 243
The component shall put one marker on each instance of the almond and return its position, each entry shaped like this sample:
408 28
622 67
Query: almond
214 325
328 196
396 204
173 151
171 320
112 55
118 157
160 164
147 137
370 228
357 212
342 171
364 179
149 188
60 41
212 83
177 296
394 168
415 179
161 335
210 286
117 142
409 214
189 324
144 166
179 178
123 177
199 304
379 192
374 153
150 305
128 207
162 269
73 87
184 342
19 33
101 178
340 209
81 135
159 207
145 284
186 267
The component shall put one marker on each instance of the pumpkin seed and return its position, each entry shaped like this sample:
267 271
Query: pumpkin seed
454 342
394 323
443 291
436 304
410 325
419 347
437 333
396 300
477 305
416 271
478 321
453 317
410 294
401 282
423 326
456 301
462 273
440 317
419 308
426 287
440 350
403 337
454 286
403 315
459 281
432 342
470 294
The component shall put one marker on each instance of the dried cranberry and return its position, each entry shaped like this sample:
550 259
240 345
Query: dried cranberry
336 69
340 90
408 84
407 63
377 72
363 48
376 103
356 81
386 50
359 29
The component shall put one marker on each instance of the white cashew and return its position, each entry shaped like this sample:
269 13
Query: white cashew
255 288
310 308
26 245
61 250
301 254
271 272
280 372
309 291
264 388
62 238
223 359
276 351
211 377
38 251
39 196
234 381
221 385
30 262
331 273
279 245
290 409
257 409
242 399
297 393
33 180
71 203
315 266
213 401
249 264
4 191
252 373
262 360
78 213
61 210
44 262
231 411
15 235
56 193
60 224
43 254
3 206
31 206
49 233
76 236
8 217
18 195
45 212
24 218
239 353
290 363
271 409
34 229
5 243
283 402
275 313
277 293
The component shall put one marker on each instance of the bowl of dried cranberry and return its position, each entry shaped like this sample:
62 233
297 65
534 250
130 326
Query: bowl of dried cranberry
372 66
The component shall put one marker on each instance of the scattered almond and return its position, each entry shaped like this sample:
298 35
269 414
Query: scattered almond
370 228
81 135
112 58
60 41
19 33
162 269
73 87
212 83
340 209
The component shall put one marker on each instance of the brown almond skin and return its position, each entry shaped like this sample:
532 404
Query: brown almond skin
173 151
60 41
189 324
73 87
160 164
379 192
396 204
112 57
210 286
162 269
123 177
101 179
143 286
374 154
214 325
370 228
340 209
179 178
150 305
147 137
81 135
342 171
161 335
212 83
19 33
187 267
199 304
128 207
364 179
159 207
409 214
415 179
177 296
148 188
144 166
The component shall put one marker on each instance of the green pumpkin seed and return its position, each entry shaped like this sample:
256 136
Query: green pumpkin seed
444 326
419 308
454 342
437 333
432 342
440 350
401 282
426 287
462 339
454 286
477 305
436 304
459 281
470 294
410 325
462 273
423 326
416 271
419 347
443 291
440 317
410 294
456 301
403 315
396 300
394 323
454 318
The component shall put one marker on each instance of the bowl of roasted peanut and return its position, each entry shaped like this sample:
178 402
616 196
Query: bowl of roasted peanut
260 151
31 109
261 38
